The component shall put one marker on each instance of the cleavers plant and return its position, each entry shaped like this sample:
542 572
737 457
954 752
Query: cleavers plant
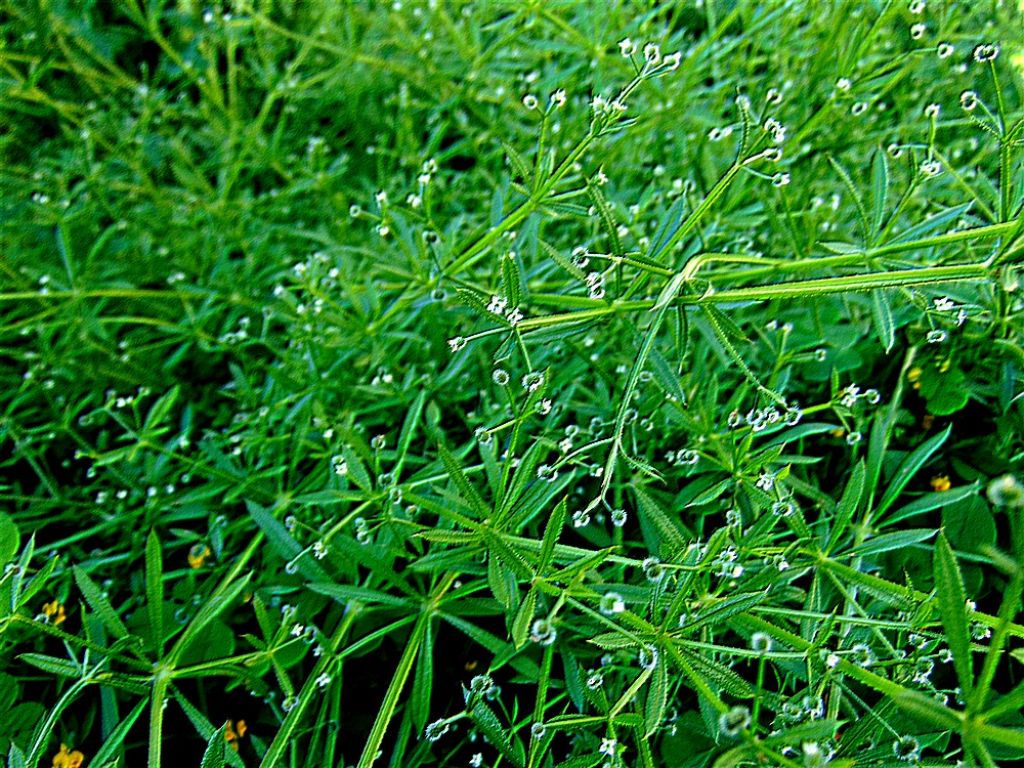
511 383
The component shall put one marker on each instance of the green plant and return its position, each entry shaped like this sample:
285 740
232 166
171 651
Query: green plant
440 383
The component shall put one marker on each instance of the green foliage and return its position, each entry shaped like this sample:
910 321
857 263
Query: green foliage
519 383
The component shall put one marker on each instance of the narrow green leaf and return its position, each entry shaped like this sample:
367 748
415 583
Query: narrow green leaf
879 191
932 224
284 545
519 165
932 501
952 600
851 188
657 699
161 408
497 734
155 591
10 539
848 504
211 609
928 710
669 225
99 603
501 581
512 280
726 609
423 682
562 261
113 744
1010 737
894 594
394 692
909 467
52 664
573 678
214 755
881 317
606 216
663 530
345 593
466 489
412 419
552 531
524 618
888 542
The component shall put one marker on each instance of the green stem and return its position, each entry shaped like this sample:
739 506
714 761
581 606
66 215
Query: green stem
390 703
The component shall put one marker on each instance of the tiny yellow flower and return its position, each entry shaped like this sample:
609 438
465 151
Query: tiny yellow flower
197 555
913 376
234 732
941 483
67 759
837 432
54 612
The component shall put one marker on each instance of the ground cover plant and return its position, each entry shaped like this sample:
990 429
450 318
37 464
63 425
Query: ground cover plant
511 383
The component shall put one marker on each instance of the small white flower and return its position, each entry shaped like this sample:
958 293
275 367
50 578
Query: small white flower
543 632
652 53
986 52
917 30
931 168
968 100
497 305
530 101
627 47
381 197
514 316
436 730
608 747
945 50
457 344
323 680
612 603
558 98
533 381
932 110
843 84
776 129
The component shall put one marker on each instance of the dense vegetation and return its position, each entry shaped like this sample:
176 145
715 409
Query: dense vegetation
511 383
